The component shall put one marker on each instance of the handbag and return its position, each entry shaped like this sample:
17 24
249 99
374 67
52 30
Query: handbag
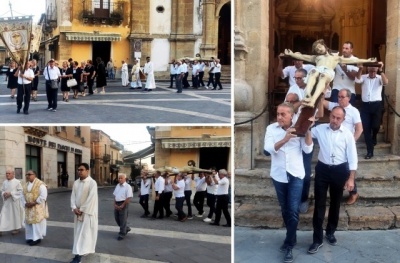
53 83
72 83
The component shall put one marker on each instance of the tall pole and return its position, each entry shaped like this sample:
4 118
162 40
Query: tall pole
9 2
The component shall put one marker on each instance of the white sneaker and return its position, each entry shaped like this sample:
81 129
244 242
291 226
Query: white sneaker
207 220
102 92
199 215
206 87
95 91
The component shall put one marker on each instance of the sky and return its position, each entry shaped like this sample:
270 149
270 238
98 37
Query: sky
23 7
134 137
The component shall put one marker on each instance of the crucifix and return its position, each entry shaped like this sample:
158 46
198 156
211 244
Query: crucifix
333 158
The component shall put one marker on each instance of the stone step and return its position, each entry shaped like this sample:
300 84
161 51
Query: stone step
269 215
381 149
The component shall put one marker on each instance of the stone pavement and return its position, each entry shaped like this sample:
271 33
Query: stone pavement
123 105
253 245
149 240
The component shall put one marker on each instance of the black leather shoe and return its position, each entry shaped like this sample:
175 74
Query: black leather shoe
76 259
28 241
18 110
331 239
26 113
369 156
214 224
227 225
288 256
314 248
119 238
284 247
34 243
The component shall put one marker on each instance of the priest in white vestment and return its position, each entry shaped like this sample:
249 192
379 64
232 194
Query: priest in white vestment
124 74
84 204
136 81
36 211
12 212
149 71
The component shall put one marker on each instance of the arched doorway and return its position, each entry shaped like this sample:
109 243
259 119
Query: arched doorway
224 34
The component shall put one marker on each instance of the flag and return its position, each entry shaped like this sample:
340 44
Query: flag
16 35
37 35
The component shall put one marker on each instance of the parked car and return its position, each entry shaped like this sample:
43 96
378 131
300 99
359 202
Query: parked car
4 69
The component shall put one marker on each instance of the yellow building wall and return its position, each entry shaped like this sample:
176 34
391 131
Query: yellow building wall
182 132
179 158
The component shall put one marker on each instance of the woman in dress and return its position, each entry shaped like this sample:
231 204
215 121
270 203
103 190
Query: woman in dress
66 73
101 81
91 74
35 81
124 74
76 72
12 80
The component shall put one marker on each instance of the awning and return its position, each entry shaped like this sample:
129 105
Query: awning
140 154
86 36
186 143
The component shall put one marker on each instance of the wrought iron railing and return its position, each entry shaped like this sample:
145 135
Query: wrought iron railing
103 12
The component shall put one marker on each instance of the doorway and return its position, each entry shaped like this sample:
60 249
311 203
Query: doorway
101 49
224 34
217 157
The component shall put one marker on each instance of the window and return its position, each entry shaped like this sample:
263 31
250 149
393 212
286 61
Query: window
78 131
33 159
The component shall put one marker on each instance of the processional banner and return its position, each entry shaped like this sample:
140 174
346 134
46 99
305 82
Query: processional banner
16 36
37 35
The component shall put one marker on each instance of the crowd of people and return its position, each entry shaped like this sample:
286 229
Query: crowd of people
84 78
25 204
337 159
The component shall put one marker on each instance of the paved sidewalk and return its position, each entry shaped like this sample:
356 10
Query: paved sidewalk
254 245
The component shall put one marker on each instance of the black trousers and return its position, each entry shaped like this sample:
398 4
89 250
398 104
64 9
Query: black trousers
167 203
201 76
211 204
210 79
371 117
217 80
173 76
185 82
144 202
333 178
179 207
24 94
198 201
222 206
188 194
158 206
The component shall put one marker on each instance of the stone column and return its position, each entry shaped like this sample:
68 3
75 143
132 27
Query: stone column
251 77
208 46
392 68
140 27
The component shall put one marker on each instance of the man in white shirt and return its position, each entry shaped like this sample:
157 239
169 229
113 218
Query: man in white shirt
287 176
211 66
195 74
159 186
222 198
179 76
172 72
149 71
289 71
345 75
217 74
372 106
144 193
179 188
211 194
351 122
167 195
202 66
200 194
335 170
185 82
51 73
188 193
12 212
122 196
25 77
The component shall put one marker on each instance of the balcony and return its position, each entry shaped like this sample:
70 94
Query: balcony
106 158
99 12
51 16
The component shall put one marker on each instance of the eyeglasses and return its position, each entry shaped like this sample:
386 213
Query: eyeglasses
80 170
29 174
342 97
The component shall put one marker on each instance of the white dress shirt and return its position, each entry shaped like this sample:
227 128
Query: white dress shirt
195 69
288 158
289 71
159 185
122 192
201 184
168 187
213 187
202 66
184 67
371 89
54 73
296 90
181 191
341 81
352 116
336 147
145 186
29 74
223 186
179 69
212 66
217 68
188 183
172 69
